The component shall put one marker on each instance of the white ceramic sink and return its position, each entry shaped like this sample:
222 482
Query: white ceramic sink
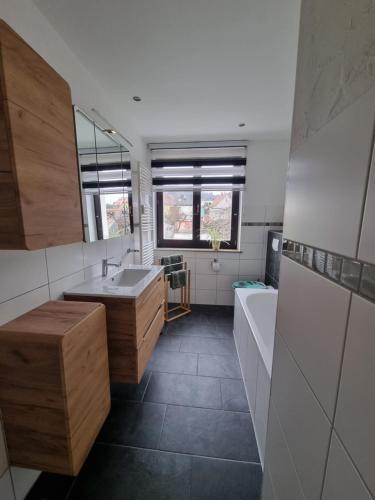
129 282
128 277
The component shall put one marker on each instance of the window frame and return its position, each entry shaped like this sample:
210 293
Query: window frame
196 242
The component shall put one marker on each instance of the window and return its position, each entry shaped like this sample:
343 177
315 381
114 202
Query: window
189 219
198 193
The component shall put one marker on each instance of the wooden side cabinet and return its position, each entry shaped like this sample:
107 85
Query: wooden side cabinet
39 184
54 385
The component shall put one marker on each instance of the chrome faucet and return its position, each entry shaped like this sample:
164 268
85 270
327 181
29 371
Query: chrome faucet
106 264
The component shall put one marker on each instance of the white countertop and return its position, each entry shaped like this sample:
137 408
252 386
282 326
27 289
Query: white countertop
102 287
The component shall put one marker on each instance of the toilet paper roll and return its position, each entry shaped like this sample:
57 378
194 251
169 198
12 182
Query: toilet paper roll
275 244
216 266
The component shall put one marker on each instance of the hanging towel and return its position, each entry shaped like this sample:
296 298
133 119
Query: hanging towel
172 263
178 279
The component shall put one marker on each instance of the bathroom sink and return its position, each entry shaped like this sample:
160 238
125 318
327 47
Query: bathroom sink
128 282
128 277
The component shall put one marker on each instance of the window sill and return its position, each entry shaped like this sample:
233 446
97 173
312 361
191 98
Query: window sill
174 249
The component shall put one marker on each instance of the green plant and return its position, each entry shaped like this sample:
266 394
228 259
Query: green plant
215 235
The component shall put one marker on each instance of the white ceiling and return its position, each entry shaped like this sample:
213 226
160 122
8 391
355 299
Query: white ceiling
200 66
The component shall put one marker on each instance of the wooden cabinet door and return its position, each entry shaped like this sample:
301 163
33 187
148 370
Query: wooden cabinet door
38 161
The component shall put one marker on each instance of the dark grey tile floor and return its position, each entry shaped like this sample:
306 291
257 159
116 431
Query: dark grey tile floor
185 432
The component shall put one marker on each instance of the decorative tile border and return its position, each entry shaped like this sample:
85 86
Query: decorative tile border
353 274
247 224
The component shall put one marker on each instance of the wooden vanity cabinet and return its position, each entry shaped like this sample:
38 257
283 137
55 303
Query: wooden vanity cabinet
39 183
133 329
54 385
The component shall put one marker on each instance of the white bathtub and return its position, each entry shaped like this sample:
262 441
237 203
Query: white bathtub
254 333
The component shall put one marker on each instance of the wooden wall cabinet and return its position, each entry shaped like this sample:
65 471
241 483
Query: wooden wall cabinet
133 329
54 385
39 183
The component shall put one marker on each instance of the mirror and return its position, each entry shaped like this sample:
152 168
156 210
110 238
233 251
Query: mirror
105 174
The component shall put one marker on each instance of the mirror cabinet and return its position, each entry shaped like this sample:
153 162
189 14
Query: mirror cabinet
105 177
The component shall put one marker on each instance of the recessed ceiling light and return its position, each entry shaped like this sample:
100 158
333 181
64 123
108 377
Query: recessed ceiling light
241 124
136 98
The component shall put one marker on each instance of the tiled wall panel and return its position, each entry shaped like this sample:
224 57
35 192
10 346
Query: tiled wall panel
342 481
305 426
367 242
283 478
356 404
332 142
327 181
335 62
312 315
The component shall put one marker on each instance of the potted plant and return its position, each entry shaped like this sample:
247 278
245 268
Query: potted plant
216 239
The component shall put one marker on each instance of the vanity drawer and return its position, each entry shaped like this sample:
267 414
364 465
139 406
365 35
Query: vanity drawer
147 306
149 341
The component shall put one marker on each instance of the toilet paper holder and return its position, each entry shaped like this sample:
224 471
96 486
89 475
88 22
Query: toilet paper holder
215 265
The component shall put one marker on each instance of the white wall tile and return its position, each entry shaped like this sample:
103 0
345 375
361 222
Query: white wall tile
64 260
15 307
306 427
342 481
312 315
274 213
6 488
94 252
225 298
224 283
251 268
58 287
205 282
204 266
252 234
279 463
252 251
367 241
355 415
267 488
23 479
115 248
21 271
205 296
93 271
252 213
327 181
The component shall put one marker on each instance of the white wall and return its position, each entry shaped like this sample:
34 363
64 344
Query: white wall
263 202
28 279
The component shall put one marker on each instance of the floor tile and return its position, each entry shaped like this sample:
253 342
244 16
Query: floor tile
120 473
212 433
207 346
130 392
219 366
176 362
196 329
135 424
225 480
169 343
50 487
234 395
188 390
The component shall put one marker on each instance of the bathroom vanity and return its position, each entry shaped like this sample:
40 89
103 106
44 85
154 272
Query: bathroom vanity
134 300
